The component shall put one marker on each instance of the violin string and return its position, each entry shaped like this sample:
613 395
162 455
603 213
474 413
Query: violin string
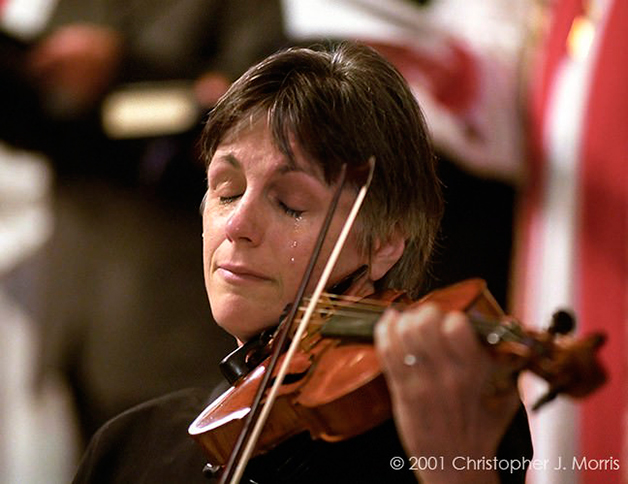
483 327
346 301
348 314
349 310
356 299
322 309
357 307
505 333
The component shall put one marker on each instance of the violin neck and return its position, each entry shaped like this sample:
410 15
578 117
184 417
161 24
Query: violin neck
359 327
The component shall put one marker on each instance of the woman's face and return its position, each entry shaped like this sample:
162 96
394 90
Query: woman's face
261 217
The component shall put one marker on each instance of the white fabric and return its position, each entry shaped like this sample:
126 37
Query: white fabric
37 441
26 18
552 263
492 30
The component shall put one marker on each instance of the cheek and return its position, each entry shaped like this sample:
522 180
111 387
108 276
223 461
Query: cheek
291 255
351 252
350 259
208 252
321 263
290 260
210 244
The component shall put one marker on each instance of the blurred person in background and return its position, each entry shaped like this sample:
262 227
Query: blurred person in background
125 315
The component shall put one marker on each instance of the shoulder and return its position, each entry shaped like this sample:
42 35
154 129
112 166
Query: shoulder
156 417
148 443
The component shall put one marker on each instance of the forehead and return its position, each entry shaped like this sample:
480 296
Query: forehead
252 137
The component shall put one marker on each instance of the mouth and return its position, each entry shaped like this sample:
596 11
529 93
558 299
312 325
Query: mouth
240 274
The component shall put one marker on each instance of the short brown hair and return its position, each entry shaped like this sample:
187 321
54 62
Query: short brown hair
344 103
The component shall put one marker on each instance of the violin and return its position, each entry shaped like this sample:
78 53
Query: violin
336 370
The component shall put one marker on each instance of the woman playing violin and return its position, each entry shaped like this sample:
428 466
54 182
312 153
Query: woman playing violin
274 147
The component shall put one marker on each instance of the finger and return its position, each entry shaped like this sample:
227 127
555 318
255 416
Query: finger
460 340
398 357
420 334
407 337
387 342
496 381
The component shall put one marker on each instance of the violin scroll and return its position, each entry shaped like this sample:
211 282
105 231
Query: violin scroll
570 366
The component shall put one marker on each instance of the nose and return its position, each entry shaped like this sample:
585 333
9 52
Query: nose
245 222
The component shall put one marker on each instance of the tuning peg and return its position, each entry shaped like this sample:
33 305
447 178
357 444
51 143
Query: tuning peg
563 322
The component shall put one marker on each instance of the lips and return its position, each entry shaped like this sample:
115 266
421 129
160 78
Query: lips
240 273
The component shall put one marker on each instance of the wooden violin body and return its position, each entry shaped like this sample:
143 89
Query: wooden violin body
335 388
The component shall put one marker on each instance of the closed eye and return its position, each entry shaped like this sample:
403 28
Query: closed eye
291 211
228 200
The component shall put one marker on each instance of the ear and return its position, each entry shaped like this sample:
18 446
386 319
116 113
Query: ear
385 255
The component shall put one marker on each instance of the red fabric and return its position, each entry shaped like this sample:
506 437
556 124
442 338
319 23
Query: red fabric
452 81
603 238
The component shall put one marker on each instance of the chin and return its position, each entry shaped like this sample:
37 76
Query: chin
242 321
241 330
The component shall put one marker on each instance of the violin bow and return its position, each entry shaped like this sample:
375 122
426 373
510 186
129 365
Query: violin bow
256 418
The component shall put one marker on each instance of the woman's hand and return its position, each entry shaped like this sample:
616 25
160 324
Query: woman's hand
447 401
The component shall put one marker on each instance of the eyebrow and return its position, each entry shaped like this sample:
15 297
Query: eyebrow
232 160
292 167
287 167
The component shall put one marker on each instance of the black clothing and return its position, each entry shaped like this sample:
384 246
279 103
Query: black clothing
150 444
